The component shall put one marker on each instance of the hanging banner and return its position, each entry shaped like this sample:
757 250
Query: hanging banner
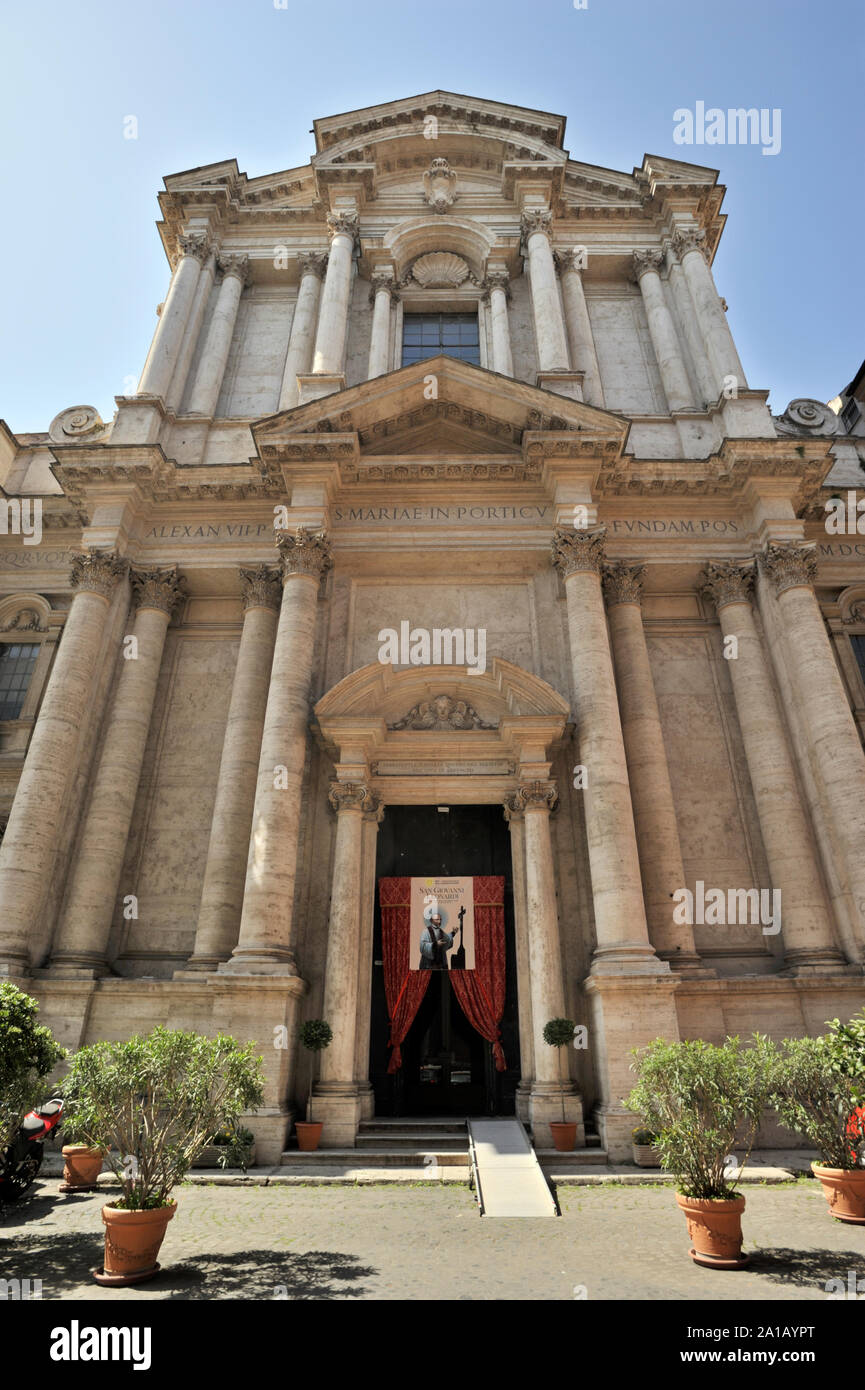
442 924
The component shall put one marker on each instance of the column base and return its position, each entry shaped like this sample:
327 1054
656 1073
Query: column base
200 965
259 962
628 958
314 386
826 962
562 383
80 965
14 967
271 1129
338 1105
545 1105
690 966
522 1101
615 1126
367 1100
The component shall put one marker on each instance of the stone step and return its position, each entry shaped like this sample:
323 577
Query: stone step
577 1158
419 1139
382 1157
434 1123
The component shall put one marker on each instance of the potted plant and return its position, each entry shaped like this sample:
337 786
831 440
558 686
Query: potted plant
153 1103
315 1036
28 1052
643 1148
819 1091
82 1162
701 1101
231 1148
558 1033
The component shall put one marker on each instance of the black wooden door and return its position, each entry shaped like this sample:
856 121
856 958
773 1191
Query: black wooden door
447 1066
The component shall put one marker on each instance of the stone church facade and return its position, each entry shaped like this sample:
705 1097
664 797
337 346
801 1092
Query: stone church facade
442 379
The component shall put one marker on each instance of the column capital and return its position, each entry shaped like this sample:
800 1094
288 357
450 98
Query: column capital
687 239
383 281
352 796
260 588
342 224
306 552
313 263
623 583
541 794
570 258
512 808
789 566
235 265
536 220
648 260
497 280
98 572
194 244
575 550
728 581
157 588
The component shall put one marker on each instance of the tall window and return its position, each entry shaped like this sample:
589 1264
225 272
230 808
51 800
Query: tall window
426 335
858 644
16 667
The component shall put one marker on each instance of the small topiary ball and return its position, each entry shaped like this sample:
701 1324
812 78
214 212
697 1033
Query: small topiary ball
559 1031
315 1035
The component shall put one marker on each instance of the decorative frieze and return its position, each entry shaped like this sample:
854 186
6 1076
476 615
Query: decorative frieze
157 588
442 712
305 552
789 566
623 583
260 587
578 550
728 581
98 572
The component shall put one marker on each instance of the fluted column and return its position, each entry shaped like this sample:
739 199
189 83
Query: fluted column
333 318
833 742
584 358
264 944
720 348
809 942
651 793
220 331
537 229
168 338
382 292
709 386
191 332
28 851
620 916
85 925
225 871
498 293
302 338
522 933
677 388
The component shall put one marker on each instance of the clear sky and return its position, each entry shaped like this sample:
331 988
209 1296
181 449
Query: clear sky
83 267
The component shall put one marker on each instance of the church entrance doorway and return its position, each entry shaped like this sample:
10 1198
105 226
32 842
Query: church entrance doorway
448 1068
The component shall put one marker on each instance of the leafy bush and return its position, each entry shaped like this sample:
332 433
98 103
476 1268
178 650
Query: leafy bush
558 1033
817 1085
315 1035
235 1146
701 1100
644 1136
28 1052
156 1101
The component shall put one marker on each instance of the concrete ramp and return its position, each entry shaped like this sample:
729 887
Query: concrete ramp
508 1178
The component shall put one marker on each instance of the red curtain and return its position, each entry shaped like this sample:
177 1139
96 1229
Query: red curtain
404 988
481 992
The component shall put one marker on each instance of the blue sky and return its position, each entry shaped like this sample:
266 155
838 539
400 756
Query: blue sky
83 265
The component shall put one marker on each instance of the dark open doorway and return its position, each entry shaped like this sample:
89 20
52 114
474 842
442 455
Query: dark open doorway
447 1066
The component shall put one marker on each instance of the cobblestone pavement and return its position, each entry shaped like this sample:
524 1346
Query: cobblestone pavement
428 1242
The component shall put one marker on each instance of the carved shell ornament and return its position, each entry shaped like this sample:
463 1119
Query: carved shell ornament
440 269
77 422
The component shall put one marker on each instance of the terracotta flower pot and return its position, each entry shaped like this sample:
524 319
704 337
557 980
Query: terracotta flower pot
132 1241
564 1135
715 1227
308 1134
81 1167
844 1189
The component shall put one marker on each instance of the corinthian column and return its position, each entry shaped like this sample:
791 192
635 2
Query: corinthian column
29 847
225 871
583 354
677 388
264 944
620 916
336 1100
220 331
382 292
85 926
498 294
537 229
535 800
522 934
333 318
809 943
720 348
191 332
300 343
834 749
168 338
651 794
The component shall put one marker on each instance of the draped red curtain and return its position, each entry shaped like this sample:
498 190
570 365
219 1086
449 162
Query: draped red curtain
481 992
404 988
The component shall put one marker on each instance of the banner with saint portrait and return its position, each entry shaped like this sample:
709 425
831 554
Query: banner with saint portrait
442 924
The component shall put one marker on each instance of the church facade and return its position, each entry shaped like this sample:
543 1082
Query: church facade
443 536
